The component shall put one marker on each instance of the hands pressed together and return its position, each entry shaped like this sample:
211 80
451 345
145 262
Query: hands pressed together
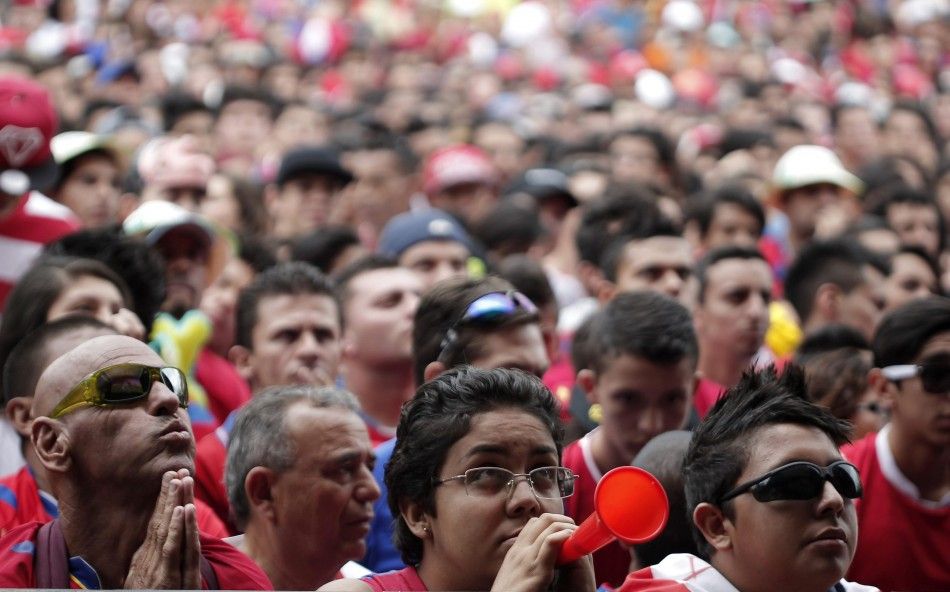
170 555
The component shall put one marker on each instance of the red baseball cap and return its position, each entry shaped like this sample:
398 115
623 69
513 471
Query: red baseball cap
27 124
455 165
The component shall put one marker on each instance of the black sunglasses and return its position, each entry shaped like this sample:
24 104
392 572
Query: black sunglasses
801 481
934 373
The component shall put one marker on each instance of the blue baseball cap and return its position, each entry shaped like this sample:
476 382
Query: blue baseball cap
410 228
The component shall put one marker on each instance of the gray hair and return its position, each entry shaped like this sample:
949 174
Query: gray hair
259 437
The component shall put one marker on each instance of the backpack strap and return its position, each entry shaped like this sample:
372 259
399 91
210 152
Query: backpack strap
207 574
51 560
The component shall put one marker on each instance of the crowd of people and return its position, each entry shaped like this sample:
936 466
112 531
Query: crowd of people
296 294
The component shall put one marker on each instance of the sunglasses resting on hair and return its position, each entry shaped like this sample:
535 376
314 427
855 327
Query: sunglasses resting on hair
801 481
934 373
488 308
119 385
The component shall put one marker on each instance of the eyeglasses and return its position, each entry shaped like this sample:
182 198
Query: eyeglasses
487 309
934 374
545 482
121 384
801 481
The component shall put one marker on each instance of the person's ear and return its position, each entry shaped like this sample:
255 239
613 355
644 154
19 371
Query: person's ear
240 356
19 413
587 380
715 527
885 389
827 303
418 521
259 489
50 439
433 370
606 291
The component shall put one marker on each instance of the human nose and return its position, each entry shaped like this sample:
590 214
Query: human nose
831 500
671 283
161 400
522 500
368 490
308 345
651 421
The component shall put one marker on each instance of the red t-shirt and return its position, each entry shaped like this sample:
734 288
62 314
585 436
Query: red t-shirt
706 394
209 471
404 580
903 543
225 388
37 220
612 562
21 502
234 570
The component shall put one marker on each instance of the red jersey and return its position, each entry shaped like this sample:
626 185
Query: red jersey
706 394
210 459
225 388
612 562
903 541
404 580
37 220
234 570
22 501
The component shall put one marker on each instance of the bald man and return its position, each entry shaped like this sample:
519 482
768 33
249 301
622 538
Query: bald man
25 496
110 428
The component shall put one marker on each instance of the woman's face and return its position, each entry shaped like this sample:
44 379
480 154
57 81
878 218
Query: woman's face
92 190
88 296
469 536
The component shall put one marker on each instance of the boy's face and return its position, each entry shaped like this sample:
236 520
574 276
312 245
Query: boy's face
639 399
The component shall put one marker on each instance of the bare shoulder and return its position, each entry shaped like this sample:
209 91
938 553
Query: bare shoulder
345 585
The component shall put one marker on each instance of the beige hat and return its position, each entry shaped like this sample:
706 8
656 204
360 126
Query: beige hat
810 165
69 145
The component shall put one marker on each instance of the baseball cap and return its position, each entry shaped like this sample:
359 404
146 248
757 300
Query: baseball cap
410 228
154 219
455 165
808 165
312 160
69 145
543 183
27 123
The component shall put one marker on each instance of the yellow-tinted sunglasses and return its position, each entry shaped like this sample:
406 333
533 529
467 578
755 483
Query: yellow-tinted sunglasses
120 385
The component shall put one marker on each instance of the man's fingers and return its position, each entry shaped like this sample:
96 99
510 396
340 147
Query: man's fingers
191 553
171 549
187 491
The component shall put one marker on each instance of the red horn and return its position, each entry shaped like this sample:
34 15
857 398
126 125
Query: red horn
629 504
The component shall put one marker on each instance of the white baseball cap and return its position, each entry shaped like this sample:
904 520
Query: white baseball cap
809 165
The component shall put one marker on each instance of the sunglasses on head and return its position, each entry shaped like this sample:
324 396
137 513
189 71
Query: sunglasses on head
487 309
934 374
120 385
801 481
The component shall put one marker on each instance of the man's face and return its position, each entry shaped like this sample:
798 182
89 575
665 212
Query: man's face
807 206
731 225
324 502
635 159
910 278
503 146
436 260
186 269
922 415
134 443
660 263
92 190
734 312
220 299
379 315
857 134
862 307
640 400
380 189
916 224
469 202
243 126
304 203
518 346
296 341
775 544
